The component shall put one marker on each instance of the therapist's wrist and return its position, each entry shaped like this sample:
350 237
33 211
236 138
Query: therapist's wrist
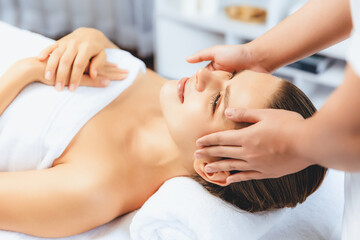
259 57
297 143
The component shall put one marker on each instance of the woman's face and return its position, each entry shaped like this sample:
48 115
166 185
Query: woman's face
206 95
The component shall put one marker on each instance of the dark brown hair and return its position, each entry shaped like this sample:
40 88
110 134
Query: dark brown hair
286 191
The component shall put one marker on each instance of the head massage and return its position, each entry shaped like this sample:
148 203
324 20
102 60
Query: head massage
192 113
117 145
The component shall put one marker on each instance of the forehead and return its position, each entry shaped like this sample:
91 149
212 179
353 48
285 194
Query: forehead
252 90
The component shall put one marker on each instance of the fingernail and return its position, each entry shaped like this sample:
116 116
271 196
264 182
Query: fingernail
58 86
105 82
199 143
95 73
208 169
72 88
229 112
198 154
41 56
229 181
48 75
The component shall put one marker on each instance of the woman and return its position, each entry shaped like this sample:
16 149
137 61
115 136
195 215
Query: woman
145 136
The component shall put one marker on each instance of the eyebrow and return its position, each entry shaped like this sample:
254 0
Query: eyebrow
226 100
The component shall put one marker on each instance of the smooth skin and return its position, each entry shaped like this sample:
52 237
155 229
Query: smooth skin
80 52
280 142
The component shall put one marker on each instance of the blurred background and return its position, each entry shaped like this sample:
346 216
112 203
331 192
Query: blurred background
164 32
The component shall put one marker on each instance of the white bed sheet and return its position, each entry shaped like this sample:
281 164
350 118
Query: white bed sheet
117 229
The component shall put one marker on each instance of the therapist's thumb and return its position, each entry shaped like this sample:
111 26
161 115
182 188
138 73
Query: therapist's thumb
202 55
244 115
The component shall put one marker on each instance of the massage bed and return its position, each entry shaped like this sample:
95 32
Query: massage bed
181 208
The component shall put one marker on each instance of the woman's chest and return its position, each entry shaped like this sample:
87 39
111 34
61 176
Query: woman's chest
108 136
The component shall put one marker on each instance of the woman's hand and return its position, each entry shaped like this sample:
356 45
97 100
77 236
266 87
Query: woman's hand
107 72
229 58
32 70
261 150
70 56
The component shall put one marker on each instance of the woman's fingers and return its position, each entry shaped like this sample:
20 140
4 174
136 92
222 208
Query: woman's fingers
64 69
78 69
97 63
46 52
97 82
53 63
111 71
115 76
227 165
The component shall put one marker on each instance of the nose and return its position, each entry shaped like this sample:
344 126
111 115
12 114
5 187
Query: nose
206 79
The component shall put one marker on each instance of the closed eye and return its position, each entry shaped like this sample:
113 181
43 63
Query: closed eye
215 99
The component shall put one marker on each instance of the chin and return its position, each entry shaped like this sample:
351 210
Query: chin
169 100
171 108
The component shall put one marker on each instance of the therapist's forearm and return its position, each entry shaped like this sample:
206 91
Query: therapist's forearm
316 26
331 138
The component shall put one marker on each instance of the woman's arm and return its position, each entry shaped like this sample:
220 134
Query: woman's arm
14 80
56 202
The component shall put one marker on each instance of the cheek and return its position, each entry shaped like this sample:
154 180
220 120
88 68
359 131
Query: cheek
186 122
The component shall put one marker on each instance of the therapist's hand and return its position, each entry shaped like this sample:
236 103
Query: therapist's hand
262 150
69 58
229 58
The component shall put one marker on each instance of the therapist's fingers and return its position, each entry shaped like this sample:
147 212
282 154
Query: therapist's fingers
97 63
53 63
227 165
44 54
220 151
202 55
244 176
227 138
65 65
246 115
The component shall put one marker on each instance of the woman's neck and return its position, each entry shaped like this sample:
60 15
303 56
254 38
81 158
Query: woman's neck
149 144
157 150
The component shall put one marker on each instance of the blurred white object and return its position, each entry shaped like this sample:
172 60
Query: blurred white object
189 7
209 8
127 22
277 10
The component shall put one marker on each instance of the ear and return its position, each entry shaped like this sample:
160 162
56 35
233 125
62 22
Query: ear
218 178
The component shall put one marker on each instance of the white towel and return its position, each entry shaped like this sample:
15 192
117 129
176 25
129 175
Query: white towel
183 209
39 124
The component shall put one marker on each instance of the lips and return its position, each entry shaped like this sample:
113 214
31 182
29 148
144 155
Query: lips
181 88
